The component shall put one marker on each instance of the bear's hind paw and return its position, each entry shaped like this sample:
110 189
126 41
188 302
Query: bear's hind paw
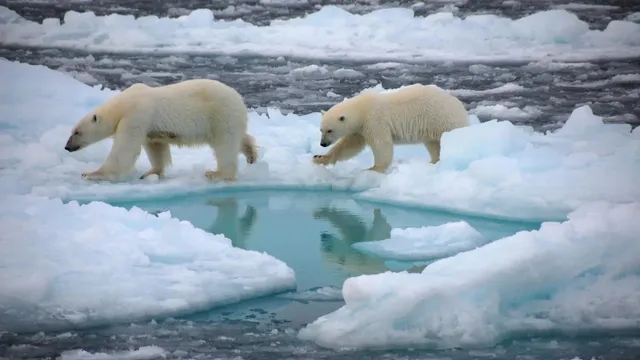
377 169
96 176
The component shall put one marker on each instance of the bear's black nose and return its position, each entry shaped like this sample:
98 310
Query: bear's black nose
71 148
324 144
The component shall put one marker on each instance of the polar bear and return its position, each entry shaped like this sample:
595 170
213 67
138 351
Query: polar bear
414 114
187 114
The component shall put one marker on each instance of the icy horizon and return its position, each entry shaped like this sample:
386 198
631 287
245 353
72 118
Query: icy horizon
392 34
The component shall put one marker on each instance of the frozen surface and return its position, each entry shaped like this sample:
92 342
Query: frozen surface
425 243
579 276
71 265
384 34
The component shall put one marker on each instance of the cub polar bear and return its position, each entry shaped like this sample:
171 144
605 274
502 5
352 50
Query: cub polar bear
187 114
414 114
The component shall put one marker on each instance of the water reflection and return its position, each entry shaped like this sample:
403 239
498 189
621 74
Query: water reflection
230 223
337 250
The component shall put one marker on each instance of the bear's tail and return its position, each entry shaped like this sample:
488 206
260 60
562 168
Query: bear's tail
249 148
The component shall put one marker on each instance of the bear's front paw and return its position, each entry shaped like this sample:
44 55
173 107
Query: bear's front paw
219 175
156 172
321 160
96 176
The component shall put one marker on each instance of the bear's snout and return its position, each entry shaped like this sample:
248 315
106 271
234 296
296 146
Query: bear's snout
325 143
70 147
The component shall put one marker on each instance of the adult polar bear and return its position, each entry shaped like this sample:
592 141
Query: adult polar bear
414 114
187 114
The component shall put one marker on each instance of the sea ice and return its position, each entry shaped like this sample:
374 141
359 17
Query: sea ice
392 34
425 243
578 276
66 265
126 264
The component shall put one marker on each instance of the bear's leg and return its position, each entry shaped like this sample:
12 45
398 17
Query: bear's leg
125 151
344 149
249 148
433 146
226 151
159 156
382 154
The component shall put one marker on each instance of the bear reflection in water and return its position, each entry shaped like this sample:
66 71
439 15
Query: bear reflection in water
230 223
335 249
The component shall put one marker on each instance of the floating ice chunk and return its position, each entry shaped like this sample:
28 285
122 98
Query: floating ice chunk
425 243
579 275
311 71
503 112
635 17
347 73
325 293
582 6
506 88
67 265
151 352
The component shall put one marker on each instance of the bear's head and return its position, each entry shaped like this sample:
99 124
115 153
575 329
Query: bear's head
89 130
341 120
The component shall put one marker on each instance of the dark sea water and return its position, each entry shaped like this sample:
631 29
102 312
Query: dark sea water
266 328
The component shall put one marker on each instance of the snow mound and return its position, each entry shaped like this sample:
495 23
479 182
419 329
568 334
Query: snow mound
505 171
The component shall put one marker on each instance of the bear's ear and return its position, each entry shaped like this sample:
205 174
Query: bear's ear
322 112
341 118
95 118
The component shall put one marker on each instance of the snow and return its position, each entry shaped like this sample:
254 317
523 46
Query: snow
579 276
425 243
392 34
67 265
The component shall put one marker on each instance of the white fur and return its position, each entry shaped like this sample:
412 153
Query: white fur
415 114
190 113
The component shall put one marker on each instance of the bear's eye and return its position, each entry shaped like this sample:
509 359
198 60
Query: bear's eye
328 131
76 132
341 118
